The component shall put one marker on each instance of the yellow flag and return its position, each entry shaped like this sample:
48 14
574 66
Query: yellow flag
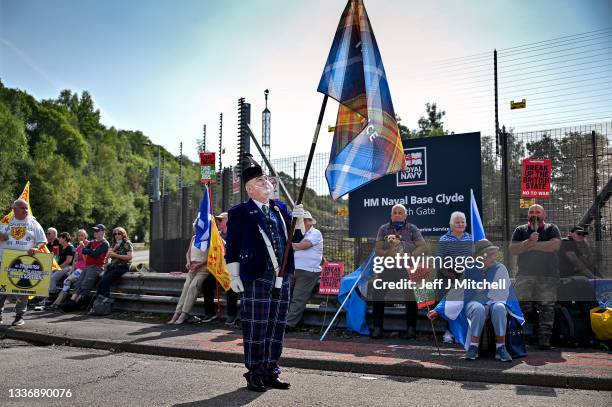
25 195
216 257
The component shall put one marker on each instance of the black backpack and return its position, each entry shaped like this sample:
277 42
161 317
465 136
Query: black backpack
572 325
102 306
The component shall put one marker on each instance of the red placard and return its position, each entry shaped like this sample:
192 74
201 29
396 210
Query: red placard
536 178
330 277
207 158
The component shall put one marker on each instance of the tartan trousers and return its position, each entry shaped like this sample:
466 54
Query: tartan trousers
263 315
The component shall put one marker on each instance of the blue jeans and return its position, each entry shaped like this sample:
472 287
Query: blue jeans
112 274
475 312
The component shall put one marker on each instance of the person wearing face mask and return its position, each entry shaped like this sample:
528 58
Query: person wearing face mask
410 241
536 244
256 239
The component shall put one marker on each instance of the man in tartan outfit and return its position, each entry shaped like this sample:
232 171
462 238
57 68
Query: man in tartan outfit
265 297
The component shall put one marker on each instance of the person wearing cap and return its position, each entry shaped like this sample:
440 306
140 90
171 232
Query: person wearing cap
23 232
308 255
257 233
481 301
536 244
575 255
120 256
95 251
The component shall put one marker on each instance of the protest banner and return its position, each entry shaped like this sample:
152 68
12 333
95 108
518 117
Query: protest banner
535 180
22 274
330 278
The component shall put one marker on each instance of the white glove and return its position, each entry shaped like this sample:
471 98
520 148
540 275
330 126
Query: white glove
236 282
298 214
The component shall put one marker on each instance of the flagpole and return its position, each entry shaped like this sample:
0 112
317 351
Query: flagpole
303 186
434 333
340 309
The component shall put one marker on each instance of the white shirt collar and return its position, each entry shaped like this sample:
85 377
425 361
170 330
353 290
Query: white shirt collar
260 204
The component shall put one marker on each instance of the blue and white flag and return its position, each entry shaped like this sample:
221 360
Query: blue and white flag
477 229
452 306
355 307
202 223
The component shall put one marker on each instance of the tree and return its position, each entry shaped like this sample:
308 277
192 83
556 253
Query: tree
430 125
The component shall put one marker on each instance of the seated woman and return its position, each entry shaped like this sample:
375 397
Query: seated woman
120 256
77 268
196 264
478 304
454 244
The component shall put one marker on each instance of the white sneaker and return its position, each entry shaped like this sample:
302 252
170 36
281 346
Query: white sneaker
448 337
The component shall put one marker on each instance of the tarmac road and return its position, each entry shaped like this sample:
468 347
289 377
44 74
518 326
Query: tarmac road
97 378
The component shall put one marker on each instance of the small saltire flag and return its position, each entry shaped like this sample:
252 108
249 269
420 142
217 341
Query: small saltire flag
216 258
366 144
25 195
478 232
355 307
203 223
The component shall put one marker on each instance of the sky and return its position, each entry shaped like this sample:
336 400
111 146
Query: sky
169 67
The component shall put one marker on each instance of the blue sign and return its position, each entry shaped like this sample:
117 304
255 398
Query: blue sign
436 182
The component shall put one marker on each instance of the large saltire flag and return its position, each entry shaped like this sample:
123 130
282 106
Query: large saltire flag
208 237
367 143
25 195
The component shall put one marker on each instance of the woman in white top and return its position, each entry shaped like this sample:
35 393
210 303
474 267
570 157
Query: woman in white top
196 264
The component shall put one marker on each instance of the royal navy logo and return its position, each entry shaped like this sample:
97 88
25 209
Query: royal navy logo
416 168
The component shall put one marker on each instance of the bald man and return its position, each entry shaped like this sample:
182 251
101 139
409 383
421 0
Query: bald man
536 244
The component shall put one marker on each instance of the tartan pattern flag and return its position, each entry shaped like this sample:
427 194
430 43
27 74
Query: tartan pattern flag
25 195
366 144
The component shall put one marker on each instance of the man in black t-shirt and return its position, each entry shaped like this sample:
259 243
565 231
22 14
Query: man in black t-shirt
536 244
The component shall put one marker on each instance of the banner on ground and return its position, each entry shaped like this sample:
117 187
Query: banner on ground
22 274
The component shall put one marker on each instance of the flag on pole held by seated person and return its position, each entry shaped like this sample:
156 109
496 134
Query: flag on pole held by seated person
6 219
476 227
216 258
207 237
367 143
202 223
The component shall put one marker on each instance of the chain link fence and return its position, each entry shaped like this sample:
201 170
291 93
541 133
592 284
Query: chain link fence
579 179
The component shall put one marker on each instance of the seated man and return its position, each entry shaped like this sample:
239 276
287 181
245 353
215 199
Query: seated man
479 304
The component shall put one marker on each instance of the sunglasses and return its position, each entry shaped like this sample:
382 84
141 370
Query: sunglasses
580 233
118 233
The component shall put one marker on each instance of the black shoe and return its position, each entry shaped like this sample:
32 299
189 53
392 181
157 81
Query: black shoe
544 343
254 383
18 321
69 306
410 333
231 320
289 329
376 333
275 383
